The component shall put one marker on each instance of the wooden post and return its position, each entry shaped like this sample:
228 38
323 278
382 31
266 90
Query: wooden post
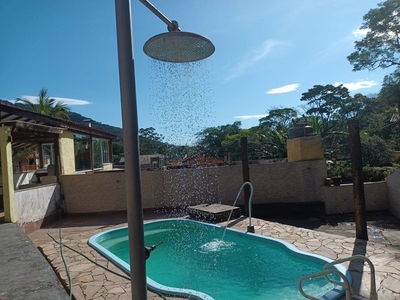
7 174
246 174
358 183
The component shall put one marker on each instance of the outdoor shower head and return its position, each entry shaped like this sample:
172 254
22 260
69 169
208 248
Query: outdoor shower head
178 47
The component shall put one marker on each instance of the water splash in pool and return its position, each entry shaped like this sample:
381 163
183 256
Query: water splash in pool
216 245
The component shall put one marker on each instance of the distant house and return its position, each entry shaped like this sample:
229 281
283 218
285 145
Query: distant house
201 160
150 161
159 161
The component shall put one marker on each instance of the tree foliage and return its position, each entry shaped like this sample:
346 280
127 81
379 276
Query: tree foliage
274 142
380 47
390 91
278 117
376 151
151 142
328 103
210 139
45 105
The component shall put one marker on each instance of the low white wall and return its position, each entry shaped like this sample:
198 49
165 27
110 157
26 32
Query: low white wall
34 204
340 199
393 182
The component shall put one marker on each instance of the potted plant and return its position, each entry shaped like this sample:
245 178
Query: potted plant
334 171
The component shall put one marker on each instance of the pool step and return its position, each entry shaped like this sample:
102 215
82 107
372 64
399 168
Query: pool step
213 212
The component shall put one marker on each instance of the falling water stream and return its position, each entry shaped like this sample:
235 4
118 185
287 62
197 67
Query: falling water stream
181 102
181 107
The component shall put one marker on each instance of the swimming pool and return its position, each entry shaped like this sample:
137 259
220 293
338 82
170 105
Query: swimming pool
207 261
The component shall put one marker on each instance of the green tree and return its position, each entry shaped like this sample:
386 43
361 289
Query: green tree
118 150
327 103
376 151
151 142
380 47
231 144
274 142
210 139
390 100
274 131
277 117
47 106
390 91
328 109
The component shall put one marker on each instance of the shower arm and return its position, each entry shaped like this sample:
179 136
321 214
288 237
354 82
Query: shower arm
171 25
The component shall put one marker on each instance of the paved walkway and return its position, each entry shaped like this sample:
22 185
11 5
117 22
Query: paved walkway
92 282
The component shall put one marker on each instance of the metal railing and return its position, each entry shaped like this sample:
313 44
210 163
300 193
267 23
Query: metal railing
345 283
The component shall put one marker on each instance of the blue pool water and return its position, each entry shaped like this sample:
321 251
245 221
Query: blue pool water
210 262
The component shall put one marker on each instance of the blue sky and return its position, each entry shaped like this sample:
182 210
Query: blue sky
267 54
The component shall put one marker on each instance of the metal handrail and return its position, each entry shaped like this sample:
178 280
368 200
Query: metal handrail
349 291
373 293
346 284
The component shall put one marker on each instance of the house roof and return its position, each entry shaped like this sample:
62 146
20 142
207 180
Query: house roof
31 127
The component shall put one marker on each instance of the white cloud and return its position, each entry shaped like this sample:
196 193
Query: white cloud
360 32
68 101
283 89
353 86
253 57
250 117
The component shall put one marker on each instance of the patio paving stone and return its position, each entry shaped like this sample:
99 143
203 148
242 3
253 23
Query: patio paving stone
93 282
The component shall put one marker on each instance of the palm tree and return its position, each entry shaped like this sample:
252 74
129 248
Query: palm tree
47 106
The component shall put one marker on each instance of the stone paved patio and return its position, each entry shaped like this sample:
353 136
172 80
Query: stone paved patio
89 281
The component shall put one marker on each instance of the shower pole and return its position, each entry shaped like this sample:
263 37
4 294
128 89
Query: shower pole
131 150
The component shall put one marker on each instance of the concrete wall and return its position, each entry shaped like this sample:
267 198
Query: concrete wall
34 204
94 192
281 182
304 148
339 199
393 182
278 182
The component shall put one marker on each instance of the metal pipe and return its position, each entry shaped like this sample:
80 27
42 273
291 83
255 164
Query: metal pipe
250 227
172 25
131 150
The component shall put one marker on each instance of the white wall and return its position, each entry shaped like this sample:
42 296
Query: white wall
34 204
340 199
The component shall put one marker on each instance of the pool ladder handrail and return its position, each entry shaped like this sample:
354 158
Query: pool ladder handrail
325 273
250 227
349 291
